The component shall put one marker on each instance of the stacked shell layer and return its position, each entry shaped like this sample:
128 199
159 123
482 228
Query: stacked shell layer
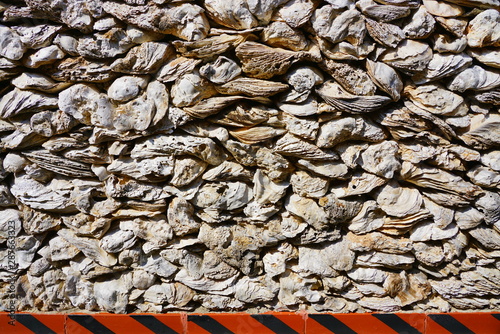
230 155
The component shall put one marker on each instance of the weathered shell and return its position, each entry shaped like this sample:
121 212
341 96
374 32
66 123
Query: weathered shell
36 37
383 13
11 46
421 25
341 100
186 21
251 87
208 47
20 101
352 79
483 29
81 69
126 88
213 105
306 185
482 132
296 12
443 9
386 78
203 148
443 65
87 105
256 134
399 201
263 62
190 89
456 26
104 45
143 59
240 15
445 43
385 33
175 68
475 78
35 81
220 71
490 57
348 128
44 56
297 147
244 115
437 100
410 56
348 25
186 170
280 34
266 190
458 191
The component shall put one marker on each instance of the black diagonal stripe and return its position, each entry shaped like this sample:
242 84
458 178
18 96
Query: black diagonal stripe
396 323
450 324
153 324
273 323
91 324
496 315
209 324
332 324
33 324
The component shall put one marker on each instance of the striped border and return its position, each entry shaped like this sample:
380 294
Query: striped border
244 323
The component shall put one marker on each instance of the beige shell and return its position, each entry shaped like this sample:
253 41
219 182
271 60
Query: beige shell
208 47
297 147
341 100
58 164
410 56
256 134
352 79
175 68
383 13
280 34
386 78
443 65
213 105
244 115
443 9
263 62
437 100
251 87
387 34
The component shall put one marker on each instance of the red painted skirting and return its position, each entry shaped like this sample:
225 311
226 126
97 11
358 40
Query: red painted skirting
244 323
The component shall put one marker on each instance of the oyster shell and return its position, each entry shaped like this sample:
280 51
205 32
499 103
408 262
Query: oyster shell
21 101
383 13
251 87
240 15
221 71
342 100
256 134
143 59
482 30
208 47
386 78
186 21
410 55
263 62
442 9
12 46
476 78
387 34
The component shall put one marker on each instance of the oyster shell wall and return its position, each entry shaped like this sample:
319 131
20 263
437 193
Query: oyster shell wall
221 155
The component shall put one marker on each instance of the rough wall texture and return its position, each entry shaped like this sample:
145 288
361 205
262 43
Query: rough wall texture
250 155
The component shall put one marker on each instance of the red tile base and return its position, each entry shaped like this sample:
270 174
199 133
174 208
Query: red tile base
244 323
